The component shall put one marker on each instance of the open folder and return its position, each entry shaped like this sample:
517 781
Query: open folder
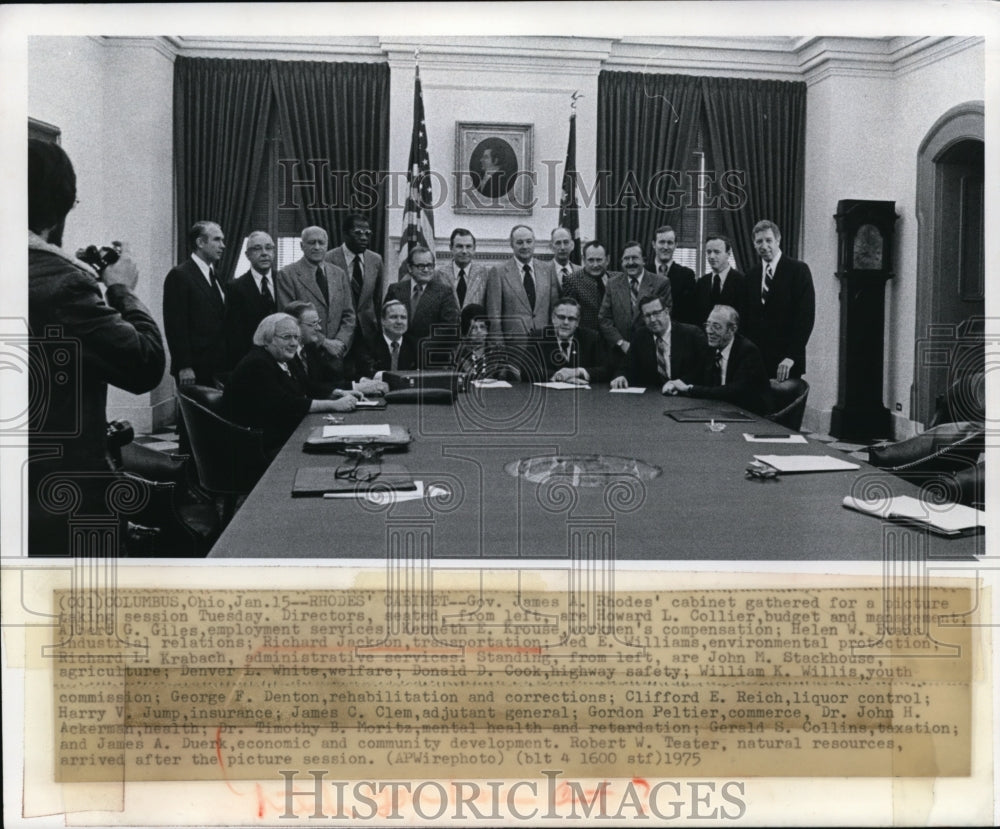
806 463
941 519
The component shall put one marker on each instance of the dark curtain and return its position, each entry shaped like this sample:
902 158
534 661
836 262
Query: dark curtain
335 115
221 111
759 128
646 129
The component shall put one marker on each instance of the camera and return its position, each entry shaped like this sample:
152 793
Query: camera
99 258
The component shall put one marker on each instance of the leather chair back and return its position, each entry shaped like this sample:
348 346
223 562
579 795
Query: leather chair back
789 402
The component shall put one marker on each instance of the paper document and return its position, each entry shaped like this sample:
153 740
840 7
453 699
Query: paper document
947 519
357 430
629 390
563 385
491 384
806 463
774 438
369 404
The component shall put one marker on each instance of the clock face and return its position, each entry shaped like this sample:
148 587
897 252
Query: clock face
868 249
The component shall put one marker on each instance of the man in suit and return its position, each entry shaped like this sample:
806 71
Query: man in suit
722 285
561 243
464 276
780 305
619 317
365 270
586 286
262 391
682 281
250 297
736 373
569 354
326 286
520 292
431 308
194 310
393 351
664 351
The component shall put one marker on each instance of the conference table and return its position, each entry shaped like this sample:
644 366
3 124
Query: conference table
603 475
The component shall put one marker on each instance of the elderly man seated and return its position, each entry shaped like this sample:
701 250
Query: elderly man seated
264 393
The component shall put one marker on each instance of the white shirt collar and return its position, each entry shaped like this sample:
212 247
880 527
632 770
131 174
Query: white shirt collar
258 278
389 341
774 262
350 256
203 266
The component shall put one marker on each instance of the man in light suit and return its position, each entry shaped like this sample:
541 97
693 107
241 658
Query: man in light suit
365 271
663 351
431 308
464 276
682 281
326 286
561 243
194 310
722 285
520 292
780 305
250 297
619 317
736 374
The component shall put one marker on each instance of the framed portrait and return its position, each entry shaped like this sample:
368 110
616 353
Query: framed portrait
493 170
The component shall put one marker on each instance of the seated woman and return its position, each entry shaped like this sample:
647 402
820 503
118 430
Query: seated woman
264 392
476 358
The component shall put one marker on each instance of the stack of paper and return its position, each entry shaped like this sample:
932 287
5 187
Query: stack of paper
943 519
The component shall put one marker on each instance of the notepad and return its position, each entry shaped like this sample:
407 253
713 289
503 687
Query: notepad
554 385
486 383
629 390
774 438
357 430
941 519
806 463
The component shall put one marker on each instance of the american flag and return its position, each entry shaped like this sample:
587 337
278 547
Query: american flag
418 216
569 212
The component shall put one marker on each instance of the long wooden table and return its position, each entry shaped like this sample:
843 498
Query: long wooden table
701 505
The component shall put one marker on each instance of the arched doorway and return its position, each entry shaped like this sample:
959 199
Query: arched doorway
950 264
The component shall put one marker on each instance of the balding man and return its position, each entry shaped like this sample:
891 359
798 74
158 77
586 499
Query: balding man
521 291
327 287
251 296
561 242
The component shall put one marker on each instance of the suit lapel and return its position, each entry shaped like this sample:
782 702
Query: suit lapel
307 276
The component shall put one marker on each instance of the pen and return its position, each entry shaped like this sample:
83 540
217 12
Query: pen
773 435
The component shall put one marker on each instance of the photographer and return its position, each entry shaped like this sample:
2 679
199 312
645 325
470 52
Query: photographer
112 339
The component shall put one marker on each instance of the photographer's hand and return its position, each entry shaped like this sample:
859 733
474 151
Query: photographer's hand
123 272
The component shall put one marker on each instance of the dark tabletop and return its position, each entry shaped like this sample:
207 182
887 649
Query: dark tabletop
701 505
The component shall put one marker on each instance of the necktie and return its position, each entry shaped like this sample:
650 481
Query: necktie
717 368
766 287
663 269
215 283
529 286
662 359
716 289
394 356
285 368
462 286
634 288
265 292
357 279
563 274
303 363
321 283
418 291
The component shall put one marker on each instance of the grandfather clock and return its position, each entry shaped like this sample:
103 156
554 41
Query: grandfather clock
866 233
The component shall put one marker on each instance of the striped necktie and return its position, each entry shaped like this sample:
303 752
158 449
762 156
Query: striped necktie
766 287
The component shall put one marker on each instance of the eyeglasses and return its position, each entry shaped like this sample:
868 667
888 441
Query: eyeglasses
287 338
259 248
363 465
649 315
715 326
759 471
422 267
566 318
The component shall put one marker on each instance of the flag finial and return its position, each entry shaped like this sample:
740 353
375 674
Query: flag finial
573 98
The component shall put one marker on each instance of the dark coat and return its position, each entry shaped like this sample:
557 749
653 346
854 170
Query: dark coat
434 323
194 317
746 381
733 294
781 328
245 308
690 357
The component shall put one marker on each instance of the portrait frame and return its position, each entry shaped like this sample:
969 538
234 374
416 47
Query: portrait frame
503 182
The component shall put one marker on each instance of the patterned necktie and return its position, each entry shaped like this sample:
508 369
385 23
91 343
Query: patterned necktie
662 359
462 288
716 289
265 292
529 286
766 287
357 279
634 289
717 368
321 283
563 274
394 356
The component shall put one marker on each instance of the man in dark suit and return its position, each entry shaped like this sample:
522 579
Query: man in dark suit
520 292
737 370
194 310
326 286
664 351
464 276
619 317
780 305
393 351
250 297
569 354
587 286
682 281
365 270
262 391
722 285
431 309
561 242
